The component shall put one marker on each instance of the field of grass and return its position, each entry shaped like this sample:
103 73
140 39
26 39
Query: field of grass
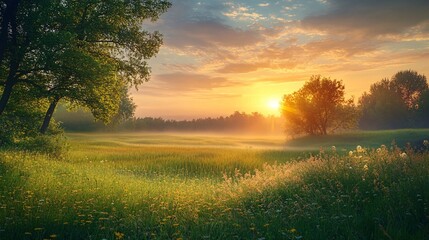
171 186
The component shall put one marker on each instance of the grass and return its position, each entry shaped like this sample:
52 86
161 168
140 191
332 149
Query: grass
368 138
167 186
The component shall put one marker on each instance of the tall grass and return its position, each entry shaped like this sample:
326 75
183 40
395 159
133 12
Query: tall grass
105 190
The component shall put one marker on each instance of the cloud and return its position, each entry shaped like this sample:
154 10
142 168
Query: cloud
243 13
209 33
240 67
189 82
264 4
370 18
201 25
206 37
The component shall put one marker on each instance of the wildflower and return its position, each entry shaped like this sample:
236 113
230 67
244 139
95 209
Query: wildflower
119 235
359 149
426 143
333 148
351 154
403 155
293 230
378 150
365 167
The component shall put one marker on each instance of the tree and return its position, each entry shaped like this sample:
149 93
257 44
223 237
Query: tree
94 86
22 118
45 38
8 11
394 103
318 107
383 107
422 113
126 108
410 85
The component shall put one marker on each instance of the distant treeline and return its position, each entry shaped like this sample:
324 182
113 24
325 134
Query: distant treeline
79 121
399 102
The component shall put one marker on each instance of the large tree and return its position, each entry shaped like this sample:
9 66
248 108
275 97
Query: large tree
394 103
106 30
58 48
318 108
410 85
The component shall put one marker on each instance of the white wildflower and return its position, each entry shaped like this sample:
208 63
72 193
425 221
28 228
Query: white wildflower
351 154
333 148
359 149
403 155
426 143
378 150
365 167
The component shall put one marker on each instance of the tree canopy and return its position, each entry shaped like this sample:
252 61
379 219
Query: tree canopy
395 103
318 108
84 52
409 85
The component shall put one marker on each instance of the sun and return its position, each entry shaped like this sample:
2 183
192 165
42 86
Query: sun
274 104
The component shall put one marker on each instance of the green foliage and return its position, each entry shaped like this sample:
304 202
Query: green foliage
20 127
53 145
410 85
318 107
126 108
114 187
422 112
383 108
22 119
372 139
84 53
395 103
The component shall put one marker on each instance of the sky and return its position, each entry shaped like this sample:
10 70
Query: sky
224 56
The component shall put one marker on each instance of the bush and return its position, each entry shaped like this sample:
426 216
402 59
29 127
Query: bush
20 128
54 145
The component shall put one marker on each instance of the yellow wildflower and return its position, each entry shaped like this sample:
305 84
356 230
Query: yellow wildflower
119 235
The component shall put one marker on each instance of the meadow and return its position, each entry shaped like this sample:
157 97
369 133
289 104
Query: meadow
371 185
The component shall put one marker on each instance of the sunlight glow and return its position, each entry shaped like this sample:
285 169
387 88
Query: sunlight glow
274 104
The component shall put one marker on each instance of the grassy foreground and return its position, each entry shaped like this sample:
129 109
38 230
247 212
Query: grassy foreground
132 186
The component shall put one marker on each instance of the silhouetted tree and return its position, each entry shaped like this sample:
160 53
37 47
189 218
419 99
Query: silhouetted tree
318 107
383 107
395 103
422 113
410 85
126 108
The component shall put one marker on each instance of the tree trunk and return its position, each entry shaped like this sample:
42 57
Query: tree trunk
9 18
10 82
9 14
48 115
6 95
